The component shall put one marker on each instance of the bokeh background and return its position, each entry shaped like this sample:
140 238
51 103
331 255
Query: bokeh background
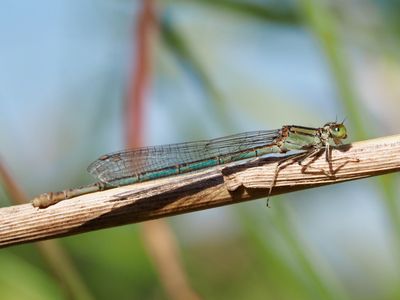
82 78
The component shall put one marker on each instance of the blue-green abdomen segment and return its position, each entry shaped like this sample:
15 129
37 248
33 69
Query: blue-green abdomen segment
190 167
169 171
147 163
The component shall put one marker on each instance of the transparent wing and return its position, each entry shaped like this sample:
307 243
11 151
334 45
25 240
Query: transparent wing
126 163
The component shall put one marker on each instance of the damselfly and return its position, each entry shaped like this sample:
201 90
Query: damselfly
148 163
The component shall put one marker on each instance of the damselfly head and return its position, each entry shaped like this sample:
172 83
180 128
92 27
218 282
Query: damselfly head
337 131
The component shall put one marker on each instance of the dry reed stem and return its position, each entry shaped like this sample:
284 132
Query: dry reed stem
191 192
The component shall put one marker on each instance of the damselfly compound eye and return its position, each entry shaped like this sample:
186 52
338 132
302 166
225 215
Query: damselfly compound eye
339 131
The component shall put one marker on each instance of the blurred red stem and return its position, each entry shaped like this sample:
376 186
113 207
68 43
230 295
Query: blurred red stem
135 103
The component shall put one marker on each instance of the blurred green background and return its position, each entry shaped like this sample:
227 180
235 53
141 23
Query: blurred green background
217 67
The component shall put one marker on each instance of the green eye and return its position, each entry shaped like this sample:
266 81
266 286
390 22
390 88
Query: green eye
339 131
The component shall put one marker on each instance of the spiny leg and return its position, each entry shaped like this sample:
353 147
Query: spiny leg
280 165
314 154
345 158
329 159
299 158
